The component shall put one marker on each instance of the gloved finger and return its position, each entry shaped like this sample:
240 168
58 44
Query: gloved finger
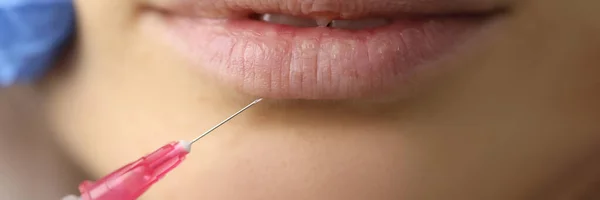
33 32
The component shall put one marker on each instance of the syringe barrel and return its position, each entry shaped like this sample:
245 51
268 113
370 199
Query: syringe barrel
132 180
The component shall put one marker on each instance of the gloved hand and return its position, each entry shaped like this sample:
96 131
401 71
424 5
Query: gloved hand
31 35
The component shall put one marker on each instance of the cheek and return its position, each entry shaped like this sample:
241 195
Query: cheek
103 24
105 12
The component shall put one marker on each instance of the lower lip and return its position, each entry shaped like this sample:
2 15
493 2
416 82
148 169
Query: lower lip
284 62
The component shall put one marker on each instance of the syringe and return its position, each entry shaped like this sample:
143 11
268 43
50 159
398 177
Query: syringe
132 180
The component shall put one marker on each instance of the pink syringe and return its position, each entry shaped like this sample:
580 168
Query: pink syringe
132 180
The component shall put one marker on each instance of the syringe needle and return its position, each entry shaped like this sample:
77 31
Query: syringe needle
225 121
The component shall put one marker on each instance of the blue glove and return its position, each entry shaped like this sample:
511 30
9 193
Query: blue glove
32 33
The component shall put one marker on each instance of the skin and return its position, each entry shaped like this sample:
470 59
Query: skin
515 118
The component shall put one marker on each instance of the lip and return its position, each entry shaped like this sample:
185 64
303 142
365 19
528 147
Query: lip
285 62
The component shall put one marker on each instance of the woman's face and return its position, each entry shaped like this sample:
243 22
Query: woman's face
393 99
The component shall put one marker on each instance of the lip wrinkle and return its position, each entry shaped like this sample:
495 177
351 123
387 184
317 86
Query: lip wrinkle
239 61
272 77
308 53
365 72
243 63
370 68
324 72
294 86
227 65
318 60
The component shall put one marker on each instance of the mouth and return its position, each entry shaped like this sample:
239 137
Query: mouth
325 49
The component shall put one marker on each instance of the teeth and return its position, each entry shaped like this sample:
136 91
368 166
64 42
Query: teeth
324 22
288 20
359 24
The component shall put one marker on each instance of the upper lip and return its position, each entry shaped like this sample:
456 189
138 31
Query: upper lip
332 9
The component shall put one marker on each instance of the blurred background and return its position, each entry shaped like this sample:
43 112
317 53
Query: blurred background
32 167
